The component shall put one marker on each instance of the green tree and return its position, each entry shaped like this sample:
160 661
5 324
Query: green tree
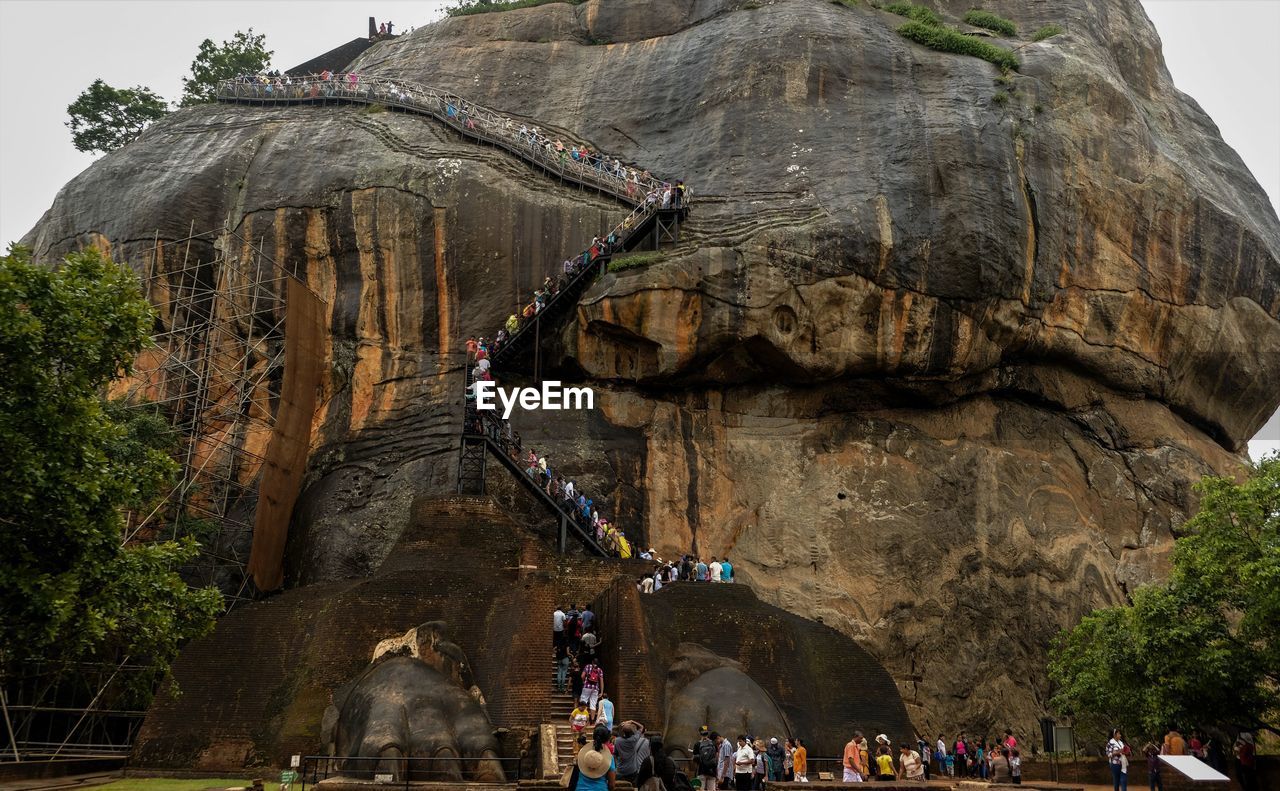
245 53
71 588
103 118
1203 647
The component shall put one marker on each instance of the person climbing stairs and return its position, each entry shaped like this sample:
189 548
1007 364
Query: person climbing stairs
559 708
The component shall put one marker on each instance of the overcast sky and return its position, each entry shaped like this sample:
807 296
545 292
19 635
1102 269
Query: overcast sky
1222 52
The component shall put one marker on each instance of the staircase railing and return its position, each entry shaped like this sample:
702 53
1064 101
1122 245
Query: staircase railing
486 426
596 170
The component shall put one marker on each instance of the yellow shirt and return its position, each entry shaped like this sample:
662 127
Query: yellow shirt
885 762
801 759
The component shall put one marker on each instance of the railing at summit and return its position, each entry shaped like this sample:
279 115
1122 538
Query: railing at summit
597 171
470 119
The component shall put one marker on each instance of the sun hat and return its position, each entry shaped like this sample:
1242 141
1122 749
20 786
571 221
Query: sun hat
593 763
882 739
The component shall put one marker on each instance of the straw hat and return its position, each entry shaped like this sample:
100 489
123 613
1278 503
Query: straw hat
594 763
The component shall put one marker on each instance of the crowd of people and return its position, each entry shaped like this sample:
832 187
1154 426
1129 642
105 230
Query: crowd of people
982 758
859 762
588 165
688 568
624 751
1120 755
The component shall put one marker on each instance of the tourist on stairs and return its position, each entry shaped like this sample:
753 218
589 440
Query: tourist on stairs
579 717
605 717
596 767
592 684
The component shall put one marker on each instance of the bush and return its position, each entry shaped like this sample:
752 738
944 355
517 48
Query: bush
916 13
1048 31
466 7
993 22
636 260
1001 98
947 40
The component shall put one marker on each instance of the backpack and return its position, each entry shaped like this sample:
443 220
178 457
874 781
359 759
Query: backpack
592 675
707 757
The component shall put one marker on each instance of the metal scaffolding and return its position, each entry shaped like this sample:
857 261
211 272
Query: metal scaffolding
69 710
214 375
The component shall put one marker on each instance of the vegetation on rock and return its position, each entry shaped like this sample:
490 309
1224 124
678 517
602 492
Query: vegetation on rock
73 589
636 260
245 53
944 39
917 13
1048 31
1202 648
993 22
103 118
465 7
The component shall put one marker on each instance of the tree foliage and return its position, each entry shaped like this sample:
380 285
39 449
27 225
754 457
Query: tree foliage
1202 648
103 118
71 589
245 53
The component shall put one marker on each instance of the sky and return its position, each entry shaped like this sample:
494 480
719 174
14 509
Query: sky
1221 52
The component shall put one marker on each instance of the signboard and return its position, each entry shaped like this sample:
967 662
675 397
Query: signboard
826 776
384 778
295 761
1064 739
287 778
1194 769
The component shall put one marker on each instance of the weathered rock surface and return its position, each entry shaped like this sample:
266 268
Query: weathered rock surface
938 369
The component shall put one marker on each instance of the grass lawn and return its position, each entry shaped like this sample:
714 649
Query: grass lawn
182 784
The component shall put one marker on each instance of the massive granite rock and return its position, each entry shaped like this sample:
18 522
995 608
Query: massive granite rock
937 360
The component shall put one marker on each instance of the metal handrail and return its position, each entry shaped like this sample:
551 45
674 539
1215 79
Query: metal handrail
487 425
470 119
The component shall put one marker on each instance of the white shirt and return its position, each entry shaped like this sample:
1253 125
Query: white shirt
743 759
715 571
940 748
1115 751
568 490
557 620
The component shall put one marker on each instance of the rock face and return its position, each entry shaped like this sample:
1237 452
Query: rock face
937 360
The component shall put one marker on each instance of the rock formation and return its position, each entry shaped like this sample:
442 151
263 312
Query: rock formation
705 689
416 699
935 367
